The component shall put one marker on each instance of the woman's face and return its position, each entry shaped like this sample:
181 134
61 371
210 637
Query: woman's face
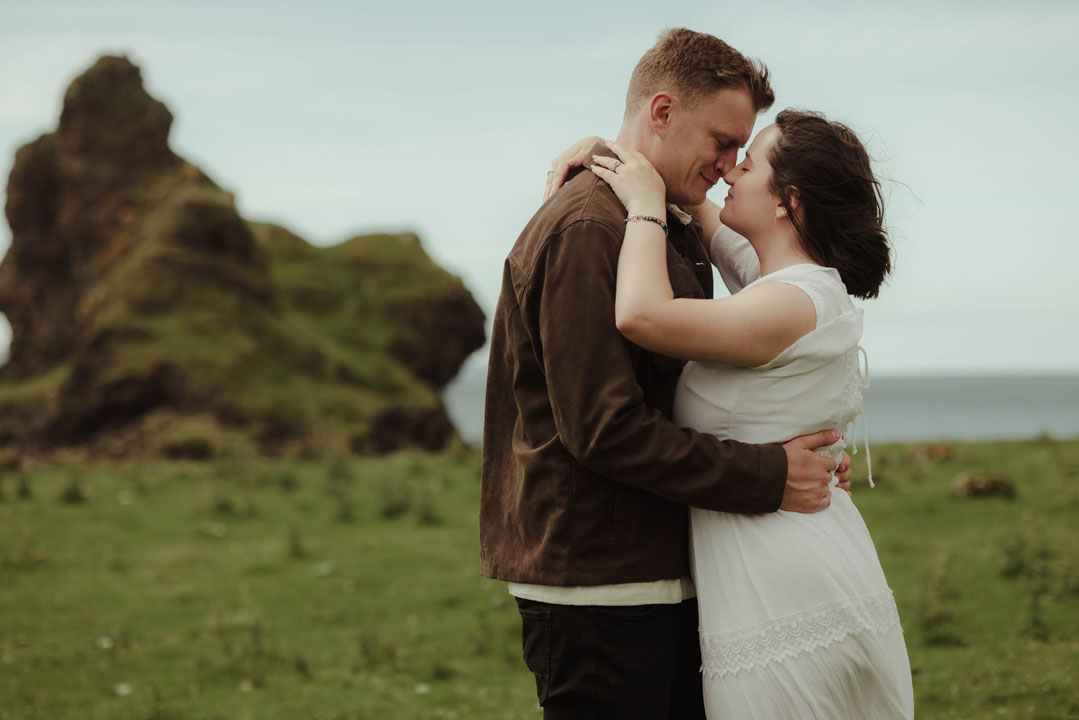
750 205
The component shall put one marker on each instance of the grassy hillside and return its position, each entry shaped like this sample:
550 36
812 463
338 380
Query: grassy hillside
305 355
149 319
349 589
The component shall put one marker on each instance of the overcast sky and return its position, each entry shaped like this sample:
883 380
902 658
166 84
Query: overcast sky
335 118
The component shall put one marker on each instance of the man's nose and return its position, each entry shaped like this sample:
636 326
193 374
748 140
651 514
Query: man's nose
727 161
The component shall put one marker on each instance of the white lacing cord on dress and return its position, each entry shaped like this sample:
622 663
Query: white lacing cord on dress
865 425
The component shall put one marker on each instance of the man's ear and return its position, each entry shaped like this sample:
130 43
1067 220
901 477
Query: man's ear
659 113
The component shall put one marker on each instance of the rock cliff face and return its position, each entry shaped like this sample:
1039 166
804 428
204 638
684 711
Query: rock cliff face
148 317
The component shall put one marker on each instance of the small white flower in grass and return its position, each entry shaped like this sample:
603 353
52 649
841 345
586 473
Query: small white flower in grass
105 642
323 569
422 688
125 497
123 689
217 530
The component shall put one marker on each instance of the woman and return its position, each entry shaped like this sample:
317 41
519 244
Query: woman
797 620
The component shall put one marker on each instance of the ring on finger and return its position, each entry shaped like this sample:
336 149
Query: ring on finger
616 164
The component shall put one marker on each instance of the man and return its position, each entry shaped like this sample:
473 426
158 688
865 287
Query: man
586 482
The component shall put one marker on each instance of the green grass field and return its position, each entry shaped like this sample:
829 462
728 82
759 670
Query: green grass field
349 588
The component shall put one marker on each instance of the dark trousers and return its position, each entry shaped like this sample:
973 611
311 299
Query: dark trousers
626 663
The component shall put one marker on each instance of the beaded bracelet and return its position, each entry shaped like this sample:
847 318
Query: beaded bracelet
649 218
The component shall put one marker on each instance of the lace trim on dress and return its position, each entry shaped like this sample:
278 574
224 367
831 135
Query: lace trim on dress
787 637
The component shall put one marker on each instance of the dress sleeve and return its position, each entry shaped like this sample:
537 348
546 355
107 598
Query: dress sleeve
598 404
735 259
824 288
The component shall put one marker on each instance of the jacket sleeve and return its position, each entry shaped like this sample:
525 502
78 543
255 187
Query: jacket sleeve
735 259
598 404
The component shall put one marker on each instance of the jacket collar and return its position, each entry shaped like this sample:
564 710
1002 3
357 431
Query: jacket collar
672 210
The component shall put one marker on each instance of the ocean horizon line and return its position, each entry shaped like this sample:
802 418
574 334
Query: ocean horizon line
900 408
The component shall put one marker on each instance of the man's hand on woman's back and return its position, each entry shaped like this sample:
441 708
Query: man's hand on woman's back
809 473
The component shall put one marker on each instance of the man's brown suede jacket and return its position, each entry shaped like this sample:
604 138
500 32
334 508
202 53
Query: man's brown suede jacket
585 479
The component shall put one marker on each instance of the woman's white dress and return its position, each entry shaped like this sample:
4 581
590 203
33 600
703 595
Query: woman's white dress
796 617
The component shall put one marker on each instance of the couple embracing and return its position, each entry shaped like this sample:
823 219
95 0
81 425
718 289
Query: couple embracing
673 552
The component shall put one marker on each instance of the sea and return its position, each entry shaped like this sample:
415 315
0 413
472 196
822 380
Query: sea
897 409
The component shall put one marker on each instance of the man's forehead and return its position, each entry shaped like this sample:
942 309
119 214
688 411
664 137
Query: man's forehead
731 113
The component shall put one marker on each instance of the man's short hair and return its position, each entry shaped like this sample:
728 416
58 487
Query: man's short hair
695 65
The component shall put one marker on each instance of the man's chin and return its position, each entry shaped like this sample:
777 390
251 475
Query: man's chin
690 199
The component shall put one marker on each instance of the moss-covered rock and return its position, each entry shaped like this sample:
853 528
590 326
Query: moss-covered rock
148 317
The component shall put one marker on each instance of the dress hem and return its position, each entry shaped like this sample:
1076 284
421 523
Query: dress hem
783 638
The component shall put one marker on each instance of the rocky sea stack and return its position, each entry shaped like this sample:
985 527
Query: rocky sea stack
149 318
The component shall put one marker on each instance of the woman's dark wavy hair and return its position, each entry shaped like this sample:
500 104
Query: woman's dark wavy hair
840 218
